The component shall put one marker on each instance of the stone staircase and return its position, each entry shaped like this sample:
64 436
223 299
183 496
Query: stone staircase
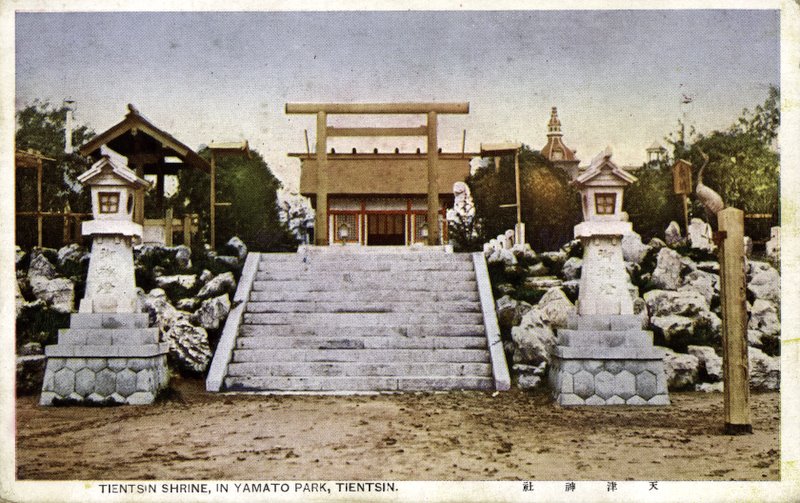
331 319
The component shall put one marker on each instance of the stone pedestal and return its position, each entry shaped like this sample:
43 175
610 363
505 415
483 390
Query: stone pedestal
604 357
607 360
105 358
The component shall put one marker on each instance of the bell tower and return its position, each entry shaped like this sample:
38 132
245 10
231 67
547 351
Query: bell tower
556 151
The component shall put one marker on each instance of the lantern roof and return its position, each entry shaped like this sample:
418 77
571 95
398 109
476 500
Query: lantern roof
106 166
603 169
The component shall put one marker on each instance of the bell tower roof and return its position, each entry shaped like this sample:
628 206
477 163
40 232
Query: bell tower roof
555 150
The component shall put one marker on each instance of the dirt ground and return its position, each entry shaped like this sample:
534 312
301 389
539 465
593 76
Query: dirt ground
441 436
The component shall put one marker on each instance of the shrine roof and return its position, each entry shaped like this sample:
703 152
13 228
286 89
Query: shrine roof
124 138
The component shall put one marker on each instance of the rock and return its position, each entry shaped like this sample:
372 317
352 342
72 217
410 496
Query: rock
223 283
748 246
205 276
665 303
656 244
571 288
554 259
212 312
502 255
19 300
19 255
764 318
529 376
773 246
523 251
765 284
58 293
178 286
30 349
188 304
708 387
185 281
238 245
30 374
183 257
555 308
704 283
533 339
765 371
40 270
542 282
227 261
700 236
573 248
672 235
667 274
572 268
682 370
505 288
673 328
188 345
633 250
538 269
708 266
710 362
510 311
640 309
756 266
71 255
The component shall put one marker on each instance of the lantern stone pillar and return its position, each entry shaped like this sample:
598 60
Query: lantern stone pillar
604 357
108 355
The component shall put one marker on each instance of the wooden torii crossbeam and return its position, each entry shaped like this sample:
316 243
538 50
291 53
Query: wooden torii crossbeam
322 110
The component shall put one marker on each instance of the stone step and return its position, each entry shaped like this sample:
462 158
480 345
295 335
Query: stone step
350 384
361 342
361 355
99 336
364 296
355 369
364 265
347 276
364 283
361 319
394 331
364 307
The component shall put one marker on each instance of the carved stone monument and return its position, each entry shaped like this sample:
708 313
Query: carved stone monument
604 357
108 355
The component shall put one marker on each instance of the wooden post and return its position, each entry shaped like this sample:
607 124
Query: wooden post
685 212
213 200
734 322
187 230
168 227
39 201
433 182
321 219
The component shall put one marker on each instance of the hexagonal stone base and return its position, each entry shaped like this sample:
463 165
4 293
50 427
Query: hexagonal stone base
586 381
104 380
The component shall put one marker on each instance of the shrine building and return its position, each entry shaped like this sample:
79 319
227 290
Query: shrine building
372 198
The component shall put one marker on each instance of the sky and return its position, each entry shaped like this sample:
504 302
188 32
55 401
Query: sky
617 77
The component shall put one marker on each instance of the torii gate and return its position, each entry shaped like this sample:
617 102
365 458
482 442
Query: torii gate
324 131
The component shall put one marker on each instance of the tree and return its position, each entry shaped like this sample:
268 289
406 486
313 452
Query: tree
462 226
251 188
744 165
550 206
41 126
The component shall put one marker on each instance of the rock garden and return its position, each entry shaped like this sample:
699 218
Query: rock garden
186 292
675 284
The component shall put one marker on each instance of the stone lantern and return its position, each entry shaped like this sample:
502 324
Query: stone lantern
604 357
108 355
